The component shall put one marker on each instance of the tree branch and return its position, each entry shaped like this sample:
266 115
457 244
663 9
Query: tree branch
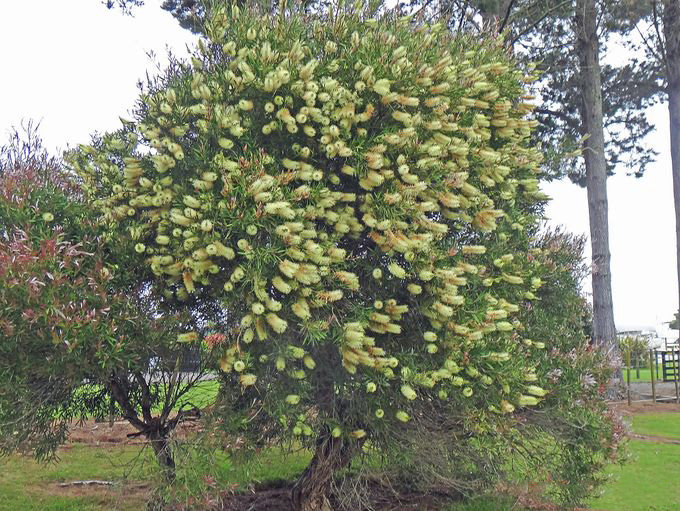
538 22
507 16
660 38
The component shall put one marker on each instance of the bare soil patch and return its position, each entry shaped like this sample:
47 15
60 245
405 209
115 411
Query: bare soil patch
94 433
128 495
655 438
644 407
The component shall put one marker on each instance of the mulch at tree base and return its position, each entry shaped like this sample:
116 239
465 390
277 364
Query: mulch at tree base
382 499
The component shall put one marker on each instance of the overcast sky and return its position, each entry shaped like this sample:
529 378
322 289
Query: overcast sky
73 66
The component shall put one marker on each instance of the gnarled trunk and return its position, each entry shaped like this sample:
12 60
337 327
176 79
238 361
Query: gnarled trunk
312 490
163 451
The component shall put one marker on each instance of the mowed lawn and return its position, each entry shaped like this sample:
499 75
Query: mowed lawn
29 486
659 424
648 482
650 479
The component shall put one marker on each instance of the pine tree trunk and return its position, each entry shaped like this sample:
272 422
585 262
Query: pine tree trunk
312 490
587 46
671 27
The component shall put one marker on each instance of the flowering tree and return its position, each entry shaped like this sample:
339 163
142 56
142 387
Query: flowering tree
357 193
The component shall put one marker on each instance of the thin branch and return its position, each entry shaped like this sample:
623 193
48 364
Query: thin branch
507 16
538 22
146 397
647 44
422 9
660 38
462 15
554 113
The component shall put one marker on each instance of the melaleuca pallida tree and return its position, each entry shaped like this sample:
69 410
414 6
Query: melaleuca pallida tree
357 193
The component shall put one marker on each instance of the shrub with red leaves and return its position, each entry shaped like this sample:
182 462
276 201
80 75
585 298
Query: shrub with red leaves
80 335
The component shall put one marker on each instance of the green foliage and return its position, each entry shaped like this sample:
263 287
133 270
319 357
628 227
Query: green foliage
638 347
357 195
359 198
556 441
485 504
78 336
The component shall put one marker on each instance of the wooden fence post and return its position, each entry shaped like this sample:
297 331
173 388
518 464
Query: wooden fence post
652 359
628 373
676 359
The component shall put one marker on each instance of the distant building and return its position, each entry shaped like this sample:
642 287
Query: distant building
659 337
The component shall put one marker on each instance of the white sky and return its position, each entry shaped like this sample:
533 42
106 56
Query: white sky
73 65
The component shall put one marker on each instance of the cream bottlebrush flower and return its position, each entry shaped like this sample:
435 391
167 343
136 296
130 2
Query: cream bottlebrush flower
414 289
47 217
281 285
382 86
512 279
187 337
494 315
504 326
527 400
536 390
408 392
402 416
239 366
292 399
430 336
247 379
278 325
396 270
507 407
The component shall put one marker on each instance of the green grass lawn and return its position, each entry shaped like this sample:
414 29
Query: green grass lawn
201 395
647 483
645 375
26 485
660 424
485 504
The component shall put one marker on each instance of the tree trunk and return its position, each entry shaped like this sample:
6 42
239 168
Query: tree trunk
587 46
163 452
312 490
671 27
